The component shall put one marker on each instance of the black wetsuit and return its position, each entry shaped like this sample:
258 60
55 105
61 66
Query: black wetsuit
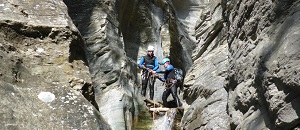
171 85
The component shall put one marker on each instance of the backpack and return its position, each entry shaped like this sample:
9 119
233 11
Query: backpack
178 74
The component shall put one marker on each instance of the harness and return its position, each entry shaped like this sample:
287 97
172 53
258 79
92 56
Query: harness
147 74
170 84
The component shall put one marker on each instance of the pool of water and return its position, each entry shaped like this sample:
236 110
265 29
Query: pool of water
144 120
162 120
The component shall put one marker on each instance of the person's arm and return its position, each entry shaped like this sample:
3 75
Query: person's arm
142 60
160 71
156 65
162 79
169 68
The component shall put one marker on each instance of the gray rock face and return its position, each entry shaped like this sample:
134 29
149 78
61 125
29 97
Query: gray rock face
61 58
205 92
41 60
259 76
205 82
264 66
115 87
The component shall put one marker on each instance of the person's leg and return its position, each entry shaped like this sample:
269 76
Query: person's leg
165 95
144 82
151 86
175 96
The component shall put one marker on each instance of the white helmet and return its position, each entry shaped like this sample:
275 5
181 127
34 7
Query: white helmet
150 48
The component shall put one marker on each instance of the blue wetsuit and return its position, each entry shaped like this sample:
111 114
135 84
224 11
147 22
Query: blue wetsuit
151 66
150 62
166 72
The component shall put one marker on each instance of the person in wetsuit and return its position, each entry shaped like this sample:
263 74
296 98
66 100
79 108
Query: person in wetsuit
148 63
170 82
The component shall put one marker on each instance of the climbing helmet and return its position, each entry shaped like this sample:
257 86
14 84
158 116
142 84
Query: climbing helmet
150 48
165 60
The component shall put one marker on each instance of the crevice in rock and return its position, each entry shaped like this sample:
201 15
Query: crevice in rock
249 11
292 92
133 19
282 8
211 36
259 82
231 83
28 31
77 51
89 93
78 47
16 70
177 32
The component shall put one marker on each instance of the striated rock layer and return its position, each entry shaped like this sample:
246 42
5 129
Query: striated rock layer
264 72
260 63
